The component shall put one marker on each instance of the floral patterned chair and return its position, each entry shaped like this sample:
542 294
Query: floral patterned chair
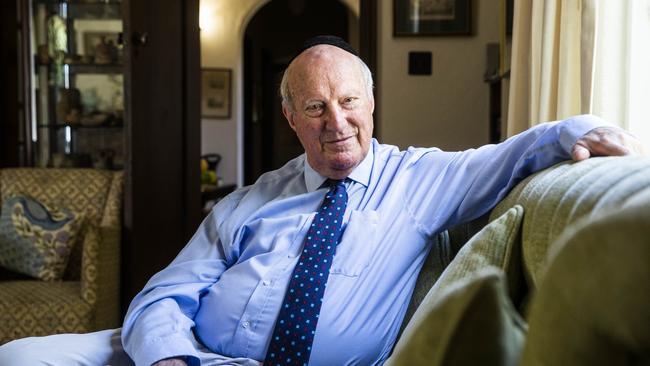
85 297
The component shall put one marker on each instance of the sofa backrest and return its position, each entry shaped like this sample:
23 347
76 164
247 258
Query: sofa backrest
95 193
444 248
566 193
552 199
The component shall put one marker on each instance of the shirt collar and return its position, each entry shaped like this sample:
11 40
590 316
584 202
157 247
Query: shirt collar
360 174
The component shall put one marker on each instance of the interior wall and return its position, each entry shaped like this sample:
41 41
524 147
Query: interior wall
448 109
221 46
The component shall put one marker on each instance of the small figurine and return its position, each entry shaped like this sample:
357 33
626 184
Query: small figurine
105 52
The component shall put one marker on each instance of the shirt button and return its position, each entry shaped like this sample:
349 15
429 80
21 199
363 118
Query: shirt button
266 283
245 324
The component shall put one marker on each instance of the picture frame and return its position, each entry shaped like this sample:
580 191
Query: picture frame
431 17
215 93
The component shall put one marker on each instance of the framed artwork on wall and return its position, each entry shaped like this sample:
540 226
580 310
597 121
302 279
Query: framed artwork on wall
431 17
215 93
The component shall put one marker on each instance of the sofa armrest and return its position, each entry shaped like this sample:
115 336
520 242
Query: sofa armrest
460 234
100 274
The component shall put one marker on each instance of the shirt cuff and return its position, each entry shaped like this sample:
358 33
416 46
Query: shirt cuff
161 348
575 127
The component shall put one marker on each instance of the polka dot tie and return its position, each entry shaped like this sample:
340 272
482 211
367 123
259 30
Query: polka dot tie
296 324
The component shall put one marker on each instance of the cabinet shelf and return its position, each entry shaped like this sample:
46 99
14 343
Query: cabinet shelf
78 126
96 68
79 68
92 2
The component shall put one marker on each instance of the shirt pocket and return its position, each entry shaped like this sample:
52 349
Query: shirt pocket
355 250
296 247
269 238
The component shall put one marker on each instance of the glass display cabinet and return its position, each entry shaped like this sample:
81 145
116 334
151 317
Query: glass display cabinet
76 83
91 97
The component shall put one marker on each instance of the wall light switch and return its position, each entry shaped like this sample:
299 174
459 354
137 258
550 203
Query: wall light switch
420 63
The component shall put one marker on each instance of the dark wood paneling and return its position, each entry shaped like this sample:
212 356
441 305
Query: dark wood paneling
368 45
9 71
162 201
192 113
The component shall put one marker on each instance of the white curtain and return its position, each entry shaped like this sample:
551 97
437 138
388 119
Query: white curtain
580 56
621 80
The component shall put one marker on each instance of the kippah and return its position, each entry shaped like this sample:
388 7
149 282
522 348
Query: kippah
326 39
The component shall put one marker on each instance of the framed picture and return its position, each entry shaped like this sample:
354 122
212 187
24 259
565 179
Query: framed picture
431 17
215 93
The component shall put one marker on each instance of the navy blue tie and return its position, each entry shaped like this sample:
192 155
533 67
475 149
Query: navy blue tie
296 324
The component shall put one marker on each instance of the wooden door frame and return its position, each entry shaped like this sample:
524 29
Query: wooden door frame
368 30
162 199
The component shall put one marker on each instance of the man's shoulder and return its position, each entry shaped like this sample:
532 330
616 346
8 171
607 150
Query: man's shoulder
388 152
271 184
291 170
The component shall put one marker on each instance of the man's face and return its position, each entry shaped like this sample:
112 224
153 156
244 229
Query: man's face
332 109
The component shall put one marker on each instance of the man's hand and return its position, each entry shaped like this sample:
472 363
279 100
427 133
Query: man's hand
171 362
606 141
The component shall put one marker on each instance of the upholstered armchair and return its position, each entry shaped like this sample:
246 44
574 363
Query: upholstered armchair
86 296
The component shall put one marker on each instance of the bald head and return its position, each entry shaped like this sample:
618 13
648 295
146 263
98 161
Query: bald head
321 54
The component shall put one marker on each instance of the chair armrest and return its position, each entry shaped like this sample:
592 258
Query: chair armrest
100 273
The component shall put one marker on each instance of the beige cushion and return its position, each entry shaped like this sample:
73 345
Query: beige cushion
467 306
593 303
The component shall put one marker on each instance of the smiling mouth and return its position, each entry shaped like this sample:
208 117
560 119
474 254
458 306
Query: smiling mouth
339 141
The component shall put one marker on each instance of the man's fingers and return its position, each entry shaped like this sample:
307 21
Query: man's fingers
606 141
608 146
579 153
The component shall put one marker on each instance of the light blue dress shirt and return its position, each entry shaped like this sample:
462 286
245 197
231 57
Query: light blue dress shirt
228 283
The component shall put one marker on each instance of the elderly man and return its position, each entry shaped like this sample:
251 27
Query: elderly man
315 263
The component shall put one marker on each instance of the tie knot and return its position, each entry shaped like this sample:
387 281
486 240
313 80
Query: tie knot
336 182
337 192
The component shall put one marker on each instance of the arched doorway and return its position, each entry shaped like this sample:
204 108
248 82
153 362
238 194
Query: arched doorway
271 37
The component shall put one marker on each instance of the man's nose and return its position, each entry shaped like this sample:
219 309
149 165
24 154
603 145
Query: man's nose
335 118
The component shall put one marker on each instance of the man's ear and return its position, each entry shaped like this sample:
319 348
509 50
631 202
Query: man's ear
288 114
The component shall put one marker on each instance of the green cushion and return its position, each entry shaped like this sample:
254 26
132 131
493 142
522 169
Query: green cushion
558 197
592 306
471 323
36 240
468 307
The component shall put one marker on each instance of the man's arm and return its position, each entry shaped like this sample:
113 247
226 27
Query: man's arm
158 325
456 187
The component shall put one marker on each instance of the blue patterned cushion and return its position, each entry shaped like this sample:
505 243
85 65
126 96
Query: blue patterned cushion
36 240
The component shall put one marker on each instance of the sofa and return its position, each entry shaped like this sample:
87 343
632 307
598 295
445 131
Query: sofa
60 241
558 273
